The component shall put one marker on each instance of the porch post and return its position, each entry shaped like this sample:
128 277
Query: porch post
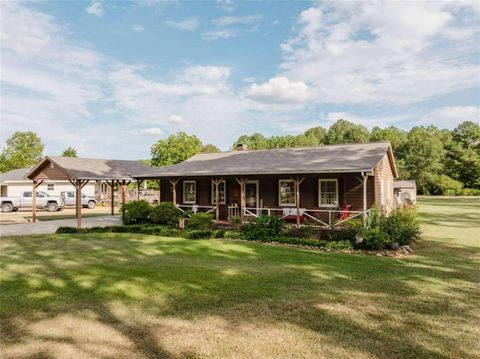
297 182
139 182
34 201
174 190
365 178
242 182
216 183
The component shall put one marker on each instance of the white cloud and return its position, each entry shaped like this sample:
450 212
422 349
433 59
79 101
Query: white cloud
387 53
279 90
152 131
450 116
138 28
190 24
219 34
226 5
95 8
175 119
236 20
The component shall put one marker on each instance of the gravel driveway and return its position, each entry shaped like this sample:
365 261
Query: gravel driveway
51 226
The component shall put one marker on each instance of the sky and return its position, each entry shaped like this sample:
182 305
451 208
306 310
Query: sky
110 78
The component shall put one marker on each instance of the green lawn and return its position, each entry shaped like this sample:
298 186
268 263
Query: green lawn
138 296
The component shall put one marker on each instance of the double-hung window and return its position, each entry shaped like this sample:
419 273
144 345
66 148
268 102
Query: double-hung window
221 193
286 192
328 192
189 192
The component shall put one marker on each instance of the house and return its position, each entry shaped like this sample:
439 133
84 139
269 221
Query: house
323 185
13 183
405 192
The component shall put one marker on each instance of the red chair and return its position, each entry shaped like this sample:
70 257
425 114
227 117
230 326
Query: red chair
345 212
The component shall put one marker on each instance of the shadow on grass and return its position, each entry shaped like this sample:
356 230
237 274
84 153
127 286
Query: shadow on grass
57 275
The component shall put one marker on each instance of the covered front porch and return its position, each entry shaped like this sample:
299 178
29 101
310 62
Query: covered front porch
322 200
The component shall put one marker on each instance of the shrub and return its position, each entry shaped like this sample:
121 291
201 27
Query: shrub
219 233
67 230
303 232
298 241
198 234
264 227
232 235
401 226
374 238
136 212
351 229
126 229
200 221
99 229
344 245
236 222
165 213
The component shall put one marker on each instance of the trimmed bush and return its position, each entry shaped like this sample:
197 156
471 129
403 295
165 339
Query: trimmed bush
219 233
264 227
303 232
401 226
165 213
374 238
232 235
199 234
67 230
200 221
136 212
344 245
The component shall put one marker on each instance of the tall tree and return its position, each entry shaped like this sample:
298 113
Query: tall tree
396 136
209 148
69 152
257 141
343 131
462 160
422 153
23 149
175 149
318 133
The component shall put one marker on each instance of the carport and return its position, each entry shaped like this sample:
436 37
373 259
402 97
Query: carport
80 171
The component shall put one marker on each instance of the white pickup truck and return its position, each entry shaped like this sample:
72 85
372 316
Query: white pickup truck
51 203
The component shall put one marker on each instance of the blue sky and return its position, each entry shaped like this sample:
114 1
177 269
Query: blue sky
111 78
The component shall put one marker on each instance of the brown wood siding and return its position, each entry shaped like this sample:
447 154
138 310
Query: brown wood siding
350 189
384 171
48 173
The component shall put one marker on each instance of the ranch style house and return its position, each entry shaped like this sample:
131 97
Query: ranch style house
322 186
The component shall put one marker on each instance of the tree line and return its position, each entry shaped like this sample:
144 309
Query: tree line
441 161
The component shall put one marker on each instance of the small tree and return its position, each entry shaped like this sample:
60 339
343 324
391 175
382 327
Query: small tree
175 149
69 152
23 149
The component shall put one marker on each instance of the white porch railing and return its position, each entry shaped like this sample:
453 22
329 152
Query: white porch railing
325 218
194 208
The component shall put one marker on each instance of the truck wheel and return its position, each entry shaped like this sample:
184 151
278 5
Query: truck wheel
7 207
91 204
52 207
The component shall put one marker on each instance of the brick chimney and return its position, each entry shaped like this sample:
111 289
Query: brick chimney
241 147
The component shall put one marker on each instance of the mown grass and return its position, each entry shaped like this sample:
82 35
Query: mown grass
138 296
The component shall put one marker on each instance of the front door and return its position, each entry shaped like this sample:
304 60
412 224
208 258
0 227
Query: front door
251 196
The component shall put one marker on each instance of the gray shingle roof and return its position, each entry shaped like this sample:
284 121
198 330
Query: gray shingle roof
404 184
97 169
323 159
14 175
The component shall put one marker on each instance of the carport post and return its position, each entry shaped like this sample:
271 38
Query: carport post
139 182
112 199
122 191
78 196
34 201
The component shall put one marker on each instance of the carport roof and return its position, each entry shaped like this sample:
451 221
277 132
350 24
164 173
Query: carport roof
74 168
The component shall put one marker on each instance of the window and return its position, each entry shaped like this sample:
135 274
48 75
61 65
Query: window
286 192
328 192
71 194
189 191
50 186
27 194
222 193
